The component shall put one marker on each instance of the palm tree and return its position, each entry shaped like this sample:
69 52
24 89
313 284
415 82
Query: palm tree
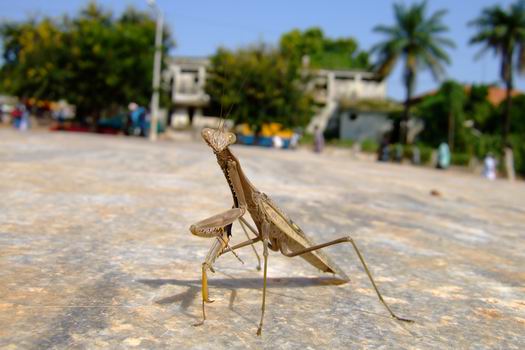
504 33
417 39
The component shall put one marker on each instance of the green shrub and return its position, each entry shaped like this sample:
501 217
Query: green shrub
369 146
392 148
408 151
306 139
460 159
341 143
487 143
425 153
518 149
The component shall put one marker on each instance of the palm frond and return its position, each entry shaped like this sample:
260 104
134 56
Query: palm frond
416 38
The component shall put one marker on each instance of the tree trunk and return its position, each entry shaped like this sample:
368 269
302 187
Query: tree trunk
409 80
506 113
505 130
404 121
451 127
506 70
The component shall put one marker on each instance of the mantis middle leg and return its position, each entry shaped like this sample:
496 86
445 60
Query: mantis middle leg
242 222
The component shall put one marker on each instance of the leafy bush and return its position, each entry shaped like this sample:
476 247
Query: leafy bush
518 149
425 152
393 149
341 143
306 139
369 146
486 143
460 159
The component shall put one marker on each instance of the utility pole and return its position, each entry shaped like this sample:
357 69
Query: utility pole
156 72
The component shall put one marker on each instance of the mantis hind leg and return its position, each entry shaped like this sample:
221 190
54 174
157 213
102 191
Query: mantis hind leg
350 240
265 254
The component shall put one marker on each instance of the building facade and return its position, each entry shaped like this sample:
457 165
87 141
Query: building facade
187 79
333 86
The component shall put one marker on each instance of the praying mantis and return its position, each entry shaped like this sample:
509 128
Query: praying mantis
273 227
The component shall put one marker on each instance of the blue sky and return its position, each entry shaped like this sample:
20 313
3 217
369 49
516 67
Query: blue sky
201 26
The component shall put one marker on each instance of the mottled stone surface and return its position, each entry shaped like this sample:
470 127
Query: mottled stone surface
95 250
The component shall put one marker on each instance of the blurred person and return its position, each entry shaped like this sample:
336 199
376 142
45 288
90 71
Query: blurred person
59 114
20 116
294 140
509 162
5 115
277 142
416 155
24 120
383 150
443 158
318 139
489 167
398 157
137 119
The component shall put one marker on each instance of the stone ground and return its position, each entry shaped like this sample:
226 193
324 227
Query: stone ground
95 250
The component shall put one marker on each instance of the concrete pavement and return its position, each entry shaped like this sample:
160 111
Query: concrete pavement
95 250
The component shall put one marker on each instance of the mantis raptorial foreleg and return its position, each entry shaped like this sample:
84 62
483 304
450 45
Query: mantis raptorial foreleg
215 250
349 239
213 226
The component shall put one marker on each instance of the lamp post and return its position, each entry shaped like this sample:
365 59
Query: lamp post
156 72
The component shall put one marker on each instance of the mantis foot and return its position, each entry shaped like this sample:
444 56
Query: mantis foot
403 319
198 324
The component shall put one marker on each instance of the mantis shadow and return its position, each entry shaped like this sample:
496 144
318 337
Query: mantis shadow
247 283
233 284
187 297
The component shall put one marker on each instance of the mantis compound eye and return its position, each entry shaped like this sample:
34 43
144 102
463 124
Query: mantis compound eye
205 133
231 138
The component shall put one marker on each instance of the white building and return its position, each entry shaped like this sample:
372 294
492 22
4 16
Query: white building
187 76
333 86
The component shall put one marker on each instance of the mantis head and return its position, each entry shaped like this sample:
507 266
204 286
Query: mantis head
218 139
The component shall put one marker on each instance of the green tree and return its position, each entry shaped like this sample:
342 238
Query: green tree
94 60
258 85
323 52
517 116
443 115
454 100
503 32
416 39
32 59
479 110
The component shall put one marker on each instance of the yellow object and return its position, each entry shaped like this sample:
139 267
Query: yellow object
267 130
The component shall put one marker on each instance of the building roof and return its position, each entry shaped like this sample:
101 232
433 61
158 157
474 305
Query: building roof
371 105
193 60
495 94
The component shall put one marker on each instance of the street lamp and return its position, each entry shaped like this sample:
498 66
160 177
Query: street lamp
156 72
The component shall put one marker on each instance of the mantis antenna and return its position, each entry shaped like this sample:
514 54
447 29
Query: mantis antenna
222 120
